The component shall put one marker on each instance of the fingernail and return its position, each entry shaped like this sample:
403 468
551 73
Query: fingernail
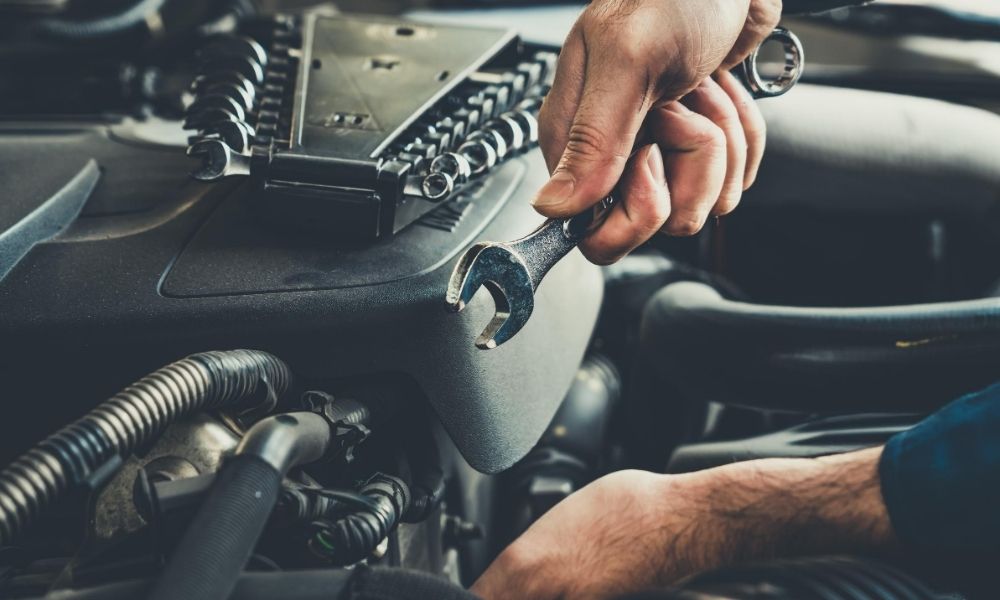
654 160
558 190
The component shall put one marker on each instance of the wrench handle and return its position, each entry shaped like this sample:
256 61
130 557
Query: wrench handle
577 227
541 249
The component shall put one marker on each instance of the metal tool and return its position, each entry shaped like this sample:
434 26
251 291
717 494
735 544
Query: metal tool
791 68
512 271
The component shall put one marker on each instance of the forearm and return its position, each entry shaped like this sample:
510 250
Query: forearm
634 530
791 507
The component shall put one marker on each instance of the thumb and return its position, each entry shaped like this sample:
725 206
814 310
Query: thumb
598 142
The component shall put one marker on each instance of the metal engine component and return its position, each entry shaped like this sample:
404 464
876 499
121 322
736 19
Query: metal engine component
186 449
364 165
128 420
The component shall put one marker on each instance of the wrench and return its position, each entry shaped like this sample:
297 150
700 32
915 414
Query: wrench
512 271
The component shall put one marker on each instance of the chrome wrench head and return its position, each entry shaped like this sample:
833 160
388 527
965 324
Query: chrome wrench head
501 271
512 271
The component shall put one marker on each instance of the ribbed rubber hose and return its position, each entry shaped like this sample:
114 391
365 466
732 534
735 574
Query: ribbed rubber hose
354 536
206 563
133 417
829 578
226 528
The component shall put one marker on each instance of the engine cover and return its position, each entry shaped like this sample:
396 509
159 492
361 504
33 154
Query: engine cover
157 266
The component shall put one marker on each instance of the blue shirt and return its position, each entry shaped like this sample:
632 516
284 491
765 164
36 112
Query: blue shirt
941 479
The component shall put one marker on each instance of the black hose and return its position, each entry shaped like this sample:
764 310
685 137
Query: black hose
207 563
832 578
130 419
427 475
227 527
312 584
824 360
354 536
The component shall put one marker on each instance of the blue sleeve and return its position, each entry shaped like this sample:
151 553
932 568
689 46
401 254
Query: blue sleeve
941 479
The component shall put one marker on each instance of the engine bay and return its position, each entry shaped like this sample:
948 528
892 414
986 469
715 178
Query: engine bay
226 237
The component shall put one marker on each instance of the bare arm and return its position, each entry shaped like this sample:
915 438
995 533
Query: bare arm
634 530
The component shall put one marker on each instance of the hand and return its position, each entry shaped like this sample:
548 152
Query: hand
633 530
640 69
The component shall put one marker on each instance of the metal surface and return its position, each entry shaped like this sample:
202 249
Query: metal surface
480 155
358 66
454 165
127 421
235 134
512 271
197 444
47 219
218 160
791 68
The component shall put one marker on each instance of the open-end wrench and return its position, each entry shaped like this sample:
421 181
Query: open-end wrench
512 271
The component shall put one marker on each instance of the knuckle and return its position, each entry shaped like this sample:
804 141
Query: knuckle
613 12
601 256
633 54
685 226
678 79
708 134
655 215
605 260
590 144
727 204
658 216
764 15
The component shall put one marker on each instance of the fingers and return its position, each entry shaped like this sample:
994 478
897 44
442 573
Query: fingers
761 20
754 126
599 140
557 112
695 162
711 101
643 208
601 95
675 192
714 141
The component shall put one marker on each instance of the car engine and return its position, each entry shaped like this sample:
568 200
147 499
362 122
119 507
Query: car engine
225 240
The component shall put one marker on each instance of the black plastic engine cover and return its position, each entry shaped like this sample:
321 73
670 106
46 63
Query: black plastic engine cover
158 266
